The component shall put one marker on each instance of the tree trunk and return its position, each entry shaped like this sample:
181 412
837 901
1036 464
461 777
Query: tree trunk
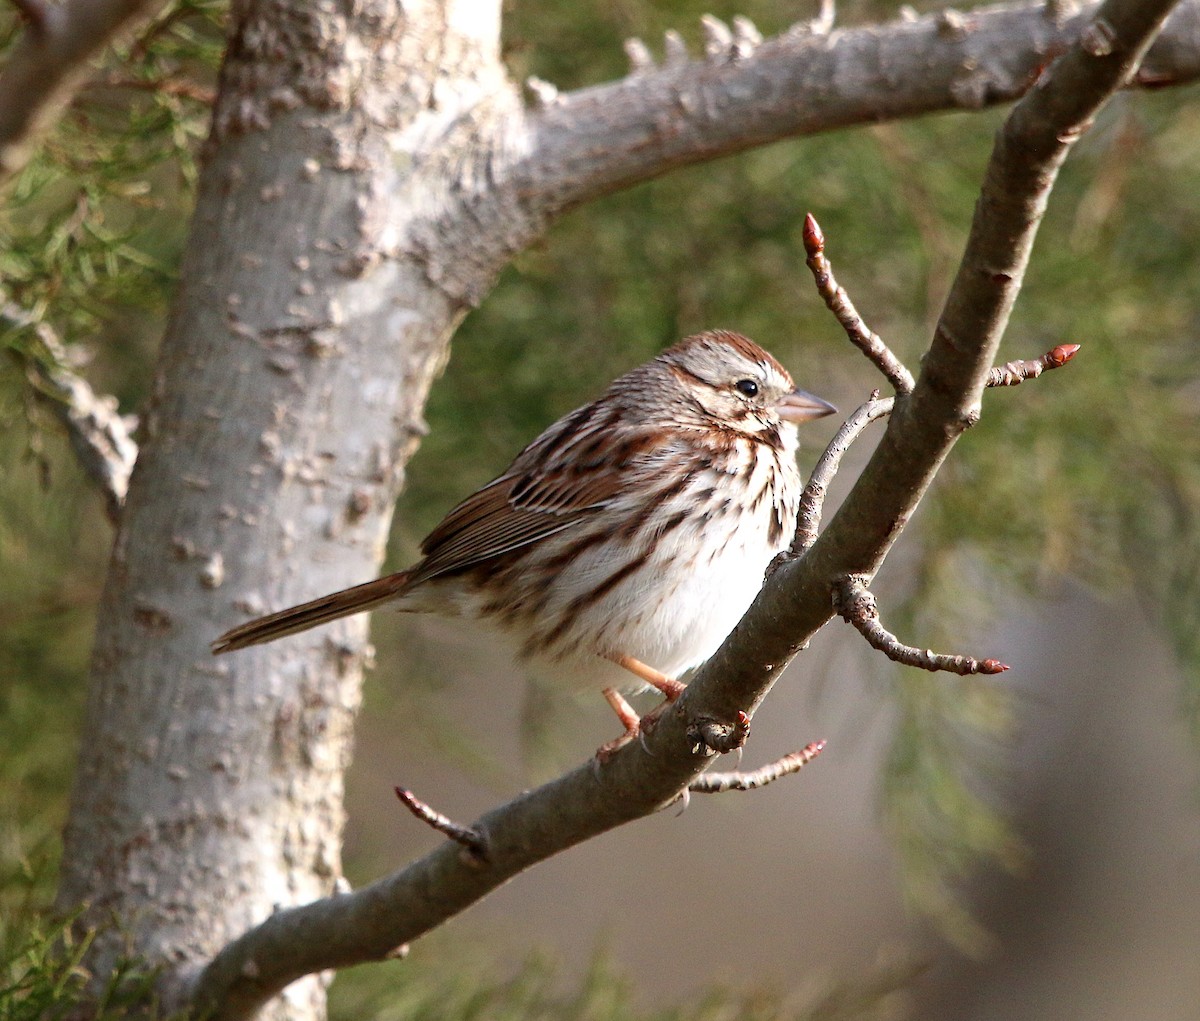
287 401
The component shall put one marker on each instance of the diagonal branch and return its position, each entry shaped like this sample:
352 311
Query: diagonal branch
795 602
597 140
49 64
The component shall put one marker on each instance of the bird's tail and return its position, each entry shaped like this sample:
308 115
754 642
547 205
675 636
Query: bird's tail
318 611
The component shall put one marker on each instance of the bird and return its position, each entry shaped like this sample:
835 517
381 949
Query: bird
625 542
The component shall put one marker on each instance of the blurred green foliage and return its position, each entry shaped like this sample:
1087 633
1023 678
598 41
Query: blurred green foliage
1091 473
42 978
535 993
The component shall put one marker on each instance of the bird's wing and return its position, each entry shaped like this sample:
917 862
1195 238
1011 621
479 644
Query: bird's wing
567 475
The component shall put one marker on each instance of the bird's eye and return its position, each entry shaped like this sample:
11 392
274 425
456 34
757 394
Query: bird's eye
746 387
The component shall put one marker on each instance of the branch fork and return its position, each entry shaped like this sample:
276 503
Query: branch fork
856 605
837 300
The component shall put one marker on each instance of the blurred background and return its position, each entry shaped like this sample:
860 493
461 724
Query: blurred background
1021 846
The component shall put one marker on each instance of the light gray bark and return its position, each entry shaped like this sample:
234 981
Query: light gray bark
287 400
368 175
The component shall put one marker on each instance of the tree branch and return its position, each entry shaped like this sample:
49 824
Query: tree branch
472 840
793 762
812 500
597 140
638 779
49 64
99 435
1014 373
838 302
856 603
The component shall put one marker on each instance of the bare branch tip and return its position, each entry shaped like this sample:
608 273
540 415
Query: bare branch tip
1062 354
856 605
719 783
471 839
1016 372
814 238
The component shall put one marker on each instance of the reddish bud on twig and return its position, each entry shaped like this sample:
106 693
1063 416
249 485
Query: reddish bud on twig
1030 368
854 601
1062 354
471 839
838 302
814 240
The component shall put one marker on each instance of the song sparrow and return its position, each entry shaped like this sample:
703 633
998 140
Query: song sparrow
633 533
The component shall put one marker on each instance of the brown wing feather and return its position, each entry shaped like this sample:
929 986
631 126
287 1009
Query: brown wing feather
547 489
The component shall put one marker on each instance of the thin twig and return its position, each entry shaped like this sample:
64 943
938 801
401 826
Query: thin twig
839 303
167 86
855 602
99 435
812 501
1030 368
718 783
474 841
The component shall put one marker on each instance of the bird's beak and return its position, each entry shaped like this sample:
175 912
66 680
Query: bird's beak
801 406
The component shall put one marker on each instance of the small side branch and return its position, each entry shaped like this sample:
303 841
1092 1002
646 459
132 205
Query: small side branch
470 838
855 602
43 71
1030 368
99 435
719 783
812 501
838 302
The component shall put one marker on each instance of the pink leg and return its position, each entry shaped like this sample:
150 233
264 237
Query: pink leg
670 687
627 716
634 725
